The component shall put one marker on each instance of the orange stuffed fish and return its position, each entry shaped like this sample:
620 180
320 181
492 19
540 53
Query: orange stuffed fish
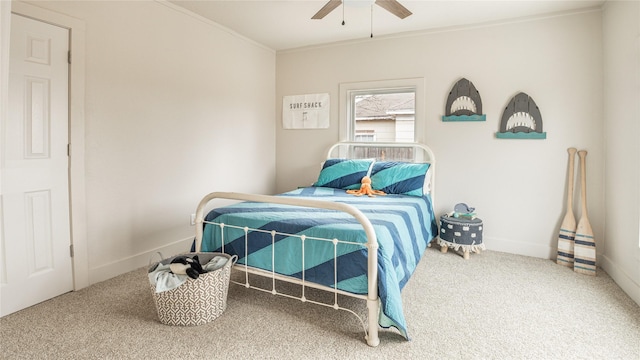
366 189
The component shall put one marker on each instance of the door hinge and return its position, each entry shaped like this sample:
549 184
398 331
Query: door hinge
68 149
69 56
71 250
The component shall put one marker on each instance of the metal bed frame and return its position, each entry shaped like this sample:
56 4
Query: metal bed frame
343 150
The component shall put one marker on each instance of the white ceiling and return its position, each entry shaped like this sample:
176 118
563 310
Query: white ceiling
282 25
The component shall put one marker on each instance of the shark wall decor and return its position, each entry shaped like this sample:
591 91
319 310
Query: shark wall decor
463 103
521 119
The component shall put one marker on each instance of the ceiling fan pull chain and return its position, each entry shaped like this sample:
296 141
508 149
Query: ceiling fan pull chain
371 20
343 13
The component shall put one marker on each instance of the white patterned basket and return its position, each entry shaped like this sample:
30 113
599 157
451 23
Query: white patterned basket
197 301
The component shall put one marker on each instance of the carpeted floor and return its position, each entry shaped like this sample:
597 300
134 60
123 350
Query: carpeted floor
492 306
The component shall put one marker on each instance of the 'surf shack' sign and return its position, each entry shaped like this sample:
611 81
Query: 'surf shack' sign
310 111
305 105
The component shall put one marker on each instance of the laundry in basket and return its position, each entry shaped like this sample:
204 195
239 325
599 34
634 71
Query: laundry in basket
185 301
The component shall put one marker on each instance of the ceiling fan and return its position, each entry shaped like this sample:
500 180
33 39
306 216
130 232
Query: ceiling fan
392 6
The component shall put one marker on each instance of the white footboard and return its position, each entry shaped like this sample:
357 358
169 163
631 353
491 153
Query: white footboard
371 331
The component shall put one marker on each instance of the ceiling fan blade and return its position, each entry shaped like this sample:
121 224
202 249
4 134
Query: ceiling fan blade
394 7
327 8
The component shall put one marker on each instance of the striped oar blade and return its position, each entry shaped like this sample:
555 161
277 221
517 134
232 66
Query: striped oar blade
585 246
585 250
567 231
566 238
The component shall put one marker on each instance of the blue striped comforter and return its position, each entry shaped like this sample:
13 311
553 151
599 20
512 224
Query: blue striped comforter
404 225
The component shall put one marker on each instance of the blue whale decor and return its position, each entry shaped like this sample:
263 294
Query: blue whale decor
521 119
463 103
462 210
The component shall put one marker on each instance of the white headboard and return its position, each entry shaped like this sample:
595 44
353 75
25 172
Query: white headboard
381 151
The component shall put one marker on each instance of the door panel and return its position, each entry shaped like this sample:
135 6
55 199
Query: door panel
35 180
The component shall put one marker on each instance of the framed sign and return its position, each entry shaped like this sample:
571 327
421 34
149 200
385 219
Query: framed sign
310 111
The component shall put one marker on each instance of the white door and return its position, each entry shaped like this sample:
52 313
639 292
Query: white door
36 259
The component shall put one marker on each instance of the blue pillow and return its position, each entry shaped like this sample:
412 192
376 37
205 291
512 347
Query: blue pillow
343 173
399 177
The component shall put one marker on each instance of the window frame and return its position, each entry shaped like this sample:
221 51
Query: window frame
349 90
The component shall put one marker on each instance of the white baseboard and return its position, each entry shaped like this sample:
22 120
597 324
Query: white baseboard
519 248
525 248
113 269
619 276
626 283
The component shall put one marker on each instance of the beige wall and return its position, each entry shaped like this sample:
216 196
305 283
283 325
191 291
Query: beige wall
175 107
517 186
621 29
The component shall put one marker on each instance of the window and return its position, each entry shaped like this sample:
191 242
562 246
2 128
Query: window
383 115
383 111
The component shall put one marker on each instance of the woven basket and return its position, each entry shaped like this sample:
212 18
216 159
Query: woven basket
196 301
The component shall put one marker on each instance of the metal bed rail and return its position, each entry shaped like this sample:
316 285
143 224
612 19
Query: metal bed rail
371 331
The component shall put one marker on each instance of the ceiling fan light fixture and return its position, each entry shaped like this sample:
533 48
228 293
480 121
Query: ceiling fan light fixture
359 3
